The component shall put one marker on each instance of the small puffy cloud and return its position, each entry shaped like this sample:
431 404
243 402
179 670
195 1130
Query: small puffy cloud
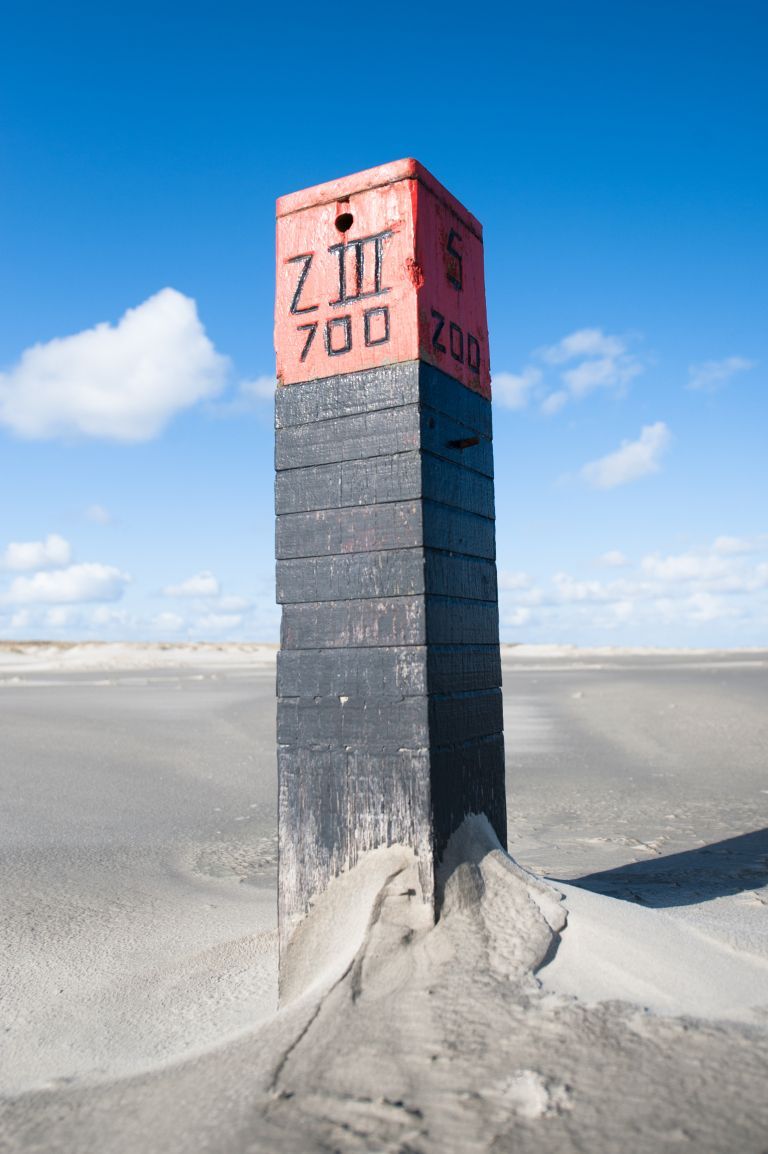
710 376
634 459
105 615
582 343
258 389
613 558
167 622
218 622
605 373
89 581
513 580
98 514
554 402
594 360
232 603
121 382
685 566
201 585
513 390
48 554
59 616
731 546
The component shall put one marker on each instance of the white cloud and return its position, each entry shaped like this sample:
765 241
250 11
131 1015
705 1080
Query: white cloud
59 616
122 382
554 402
634 459
605 373
513 390
513 580
89 581
201 585
259 389
168 622
20 619
47 554
218 622
614 558
582 343
705 595
712 375
730 546
232 603
98 514
104 615
685 566
596 360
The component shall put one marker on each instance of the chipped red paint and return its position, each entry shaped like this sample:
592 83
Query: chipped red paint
377 268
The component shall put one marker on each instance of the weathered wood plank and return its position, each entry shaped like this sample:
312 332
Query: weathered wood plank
381 573
343 624
371 722
388 387
456 531
395 477
468 778
460 717
463 668
353 438
352 801
389 621
456 621
456 575
350 530
367 435
398 525
454 484
348 394
372 672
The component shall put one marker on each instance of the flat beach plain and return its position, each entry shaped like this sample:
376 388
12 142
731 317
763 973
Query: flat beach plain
604 988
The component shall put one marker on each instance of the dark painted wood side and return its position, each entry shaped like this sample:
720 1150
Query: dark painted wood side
389 707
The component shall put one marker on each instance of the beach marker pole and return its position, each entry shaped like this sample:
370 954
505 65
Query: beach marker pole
389 714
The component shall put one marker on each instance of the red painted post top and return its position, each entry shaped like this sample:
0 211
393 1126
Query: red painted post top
376 268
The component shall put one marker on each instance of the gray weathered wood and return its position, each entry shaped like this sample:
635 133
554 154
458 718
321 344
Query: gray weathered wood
381 573
387 672
394 477
389 387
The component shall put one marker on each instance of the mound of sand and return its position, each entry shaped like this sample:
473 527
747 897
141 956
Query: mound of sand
521 1021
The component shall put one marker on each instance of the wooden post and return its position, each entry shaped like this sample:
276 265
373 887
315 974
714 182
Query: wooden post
389 716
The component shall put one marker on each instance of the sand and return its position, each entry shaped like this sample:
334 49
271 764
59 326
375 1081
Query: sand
606 990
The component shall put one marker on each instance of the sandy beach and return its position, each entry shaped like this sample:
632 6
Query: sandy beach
602 987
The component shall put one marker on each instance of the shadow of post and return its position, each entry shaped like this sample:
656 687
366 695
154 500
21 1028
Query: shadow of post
725 867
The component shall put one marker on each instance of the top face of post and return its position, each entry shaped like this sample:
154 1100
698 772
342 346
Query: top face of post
377 268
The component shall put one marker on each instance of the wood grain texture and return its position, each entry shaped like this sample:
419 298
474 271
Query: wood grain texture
351 530
347 394
351 624
468 778
334 806
463 668
354 438
387 387
377 724
393 477
351 576
390 672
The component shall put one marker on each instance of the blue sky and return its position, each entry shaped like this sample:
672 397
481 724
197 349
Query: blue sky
615 154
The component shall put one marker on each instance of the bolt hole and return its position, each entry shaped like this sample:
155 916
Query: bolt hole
344 221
